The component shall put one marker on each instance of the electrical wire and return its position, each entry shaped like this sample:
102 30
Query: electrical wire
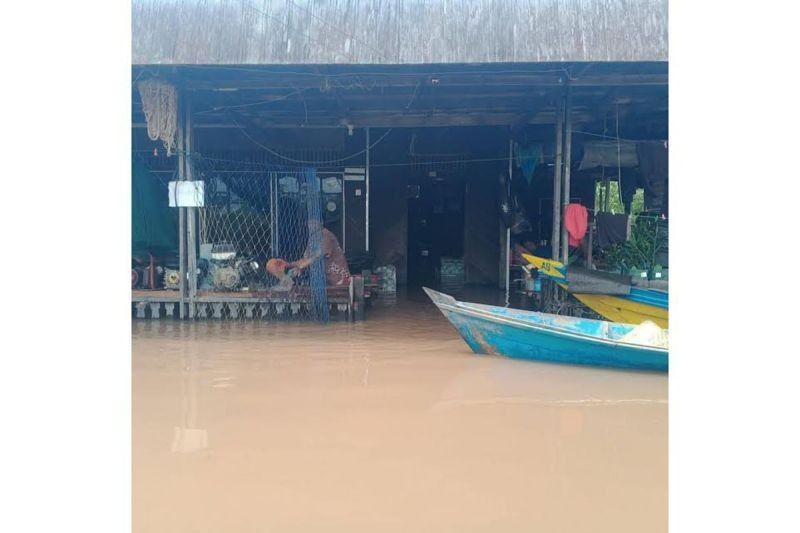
251 104
611 137
302 162
268 166
322 163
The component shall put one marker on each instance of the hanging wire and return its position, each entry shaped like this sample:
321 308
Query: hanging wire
267 166
605 136
251 104
302 162
319 163
619 163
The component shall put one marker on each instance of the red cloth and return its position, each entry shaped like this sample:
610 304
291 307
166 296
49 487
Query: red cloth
576 219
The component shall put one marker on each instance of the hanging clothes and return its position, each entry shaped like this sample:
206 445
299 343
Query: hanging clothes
576 220
612 229
629 178
654 167
527 159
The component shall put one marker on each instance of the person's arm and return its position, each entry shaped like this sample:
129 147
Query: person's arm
308 259
305 261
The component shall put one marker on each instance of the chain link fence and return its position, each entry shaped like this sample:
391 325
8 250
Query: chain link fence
253 239
253 230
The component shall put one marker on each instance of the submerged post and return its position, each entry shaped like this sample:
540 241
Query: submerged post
507 256
556 239
567 165
589 245
181 214
191 212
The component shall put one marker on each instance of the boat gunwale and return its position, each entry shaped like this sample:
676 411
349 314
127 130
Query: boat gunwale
459 307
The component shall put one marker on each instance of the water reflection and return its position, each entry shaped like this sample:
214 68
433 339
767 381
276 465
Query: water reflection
387 425
187 437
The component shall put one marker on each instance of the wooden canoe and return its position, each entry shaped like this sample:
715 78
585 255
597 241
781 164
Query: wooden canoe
545 337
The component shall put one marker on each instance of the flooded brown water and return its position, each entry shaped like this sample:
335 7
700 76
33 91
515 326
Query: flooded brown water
391 424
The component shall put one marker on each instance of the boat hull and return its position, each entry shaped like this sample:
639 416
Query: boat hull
500 331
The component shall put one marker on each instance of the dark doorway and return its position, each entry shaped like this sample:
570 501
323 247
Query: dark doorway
435 224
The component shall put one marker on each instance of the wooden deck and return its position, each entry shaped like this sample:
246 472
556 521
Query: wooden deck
345 303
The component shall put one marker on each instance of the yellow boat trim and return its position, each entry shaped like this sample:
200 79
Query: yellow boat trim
551 267
609 307
625 311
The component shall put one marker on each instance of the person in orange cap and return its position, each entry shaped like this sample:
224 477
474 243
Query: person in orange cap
336 268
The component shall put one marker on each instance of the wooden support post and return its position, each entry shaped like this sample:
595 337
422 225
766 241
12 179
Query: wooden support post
567 167
501 237
559 156
351 298
366 193
358 298
507 255
589 246
344 219
191 212
550 289
181 218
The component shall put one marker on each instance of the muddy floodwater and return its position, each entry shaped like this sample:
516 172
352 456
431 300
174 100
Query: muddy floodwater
391 424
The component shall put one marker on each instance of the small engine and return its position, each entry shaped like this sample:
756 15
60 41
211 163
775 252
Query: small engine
140 277
172 279
221 270
224 276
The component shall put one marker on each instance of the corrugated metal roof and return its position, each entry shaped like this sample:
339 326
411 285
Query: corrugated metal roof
397 31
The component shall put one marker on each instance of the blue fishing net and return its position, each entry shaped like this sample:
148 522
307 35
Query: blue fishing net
317 282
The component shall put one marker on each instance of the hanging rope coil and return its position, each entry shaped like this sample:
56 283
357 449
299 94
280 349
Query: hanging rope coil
160 105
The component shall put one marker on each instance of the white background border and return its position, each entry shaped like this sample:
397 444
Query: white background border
734 369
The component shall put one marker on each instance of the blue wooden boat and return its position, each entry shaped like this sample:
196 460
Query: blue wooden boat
545 337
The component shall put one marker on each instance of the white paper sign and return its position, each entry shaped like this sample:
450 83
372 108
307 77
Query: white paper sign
186 193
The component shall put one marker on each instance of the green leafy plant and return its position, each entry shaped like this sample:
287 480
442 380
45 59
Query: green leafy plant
647 240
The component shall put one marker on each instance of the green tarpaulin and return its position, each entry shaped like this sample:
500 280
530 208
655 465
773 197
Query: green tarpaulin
154 224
